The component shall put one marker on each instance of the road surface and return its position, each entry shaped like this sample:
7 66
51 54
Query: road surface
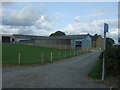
69 73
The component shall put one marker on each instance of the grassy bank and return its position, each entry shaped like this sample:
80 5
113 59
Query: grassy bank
96 72
112 60
33 54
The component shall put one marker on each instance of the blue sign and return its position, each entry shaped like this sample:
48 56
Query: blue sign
105 27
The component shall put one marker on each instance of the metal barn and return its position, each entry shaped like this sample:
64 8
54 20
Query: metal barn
65 42
61 42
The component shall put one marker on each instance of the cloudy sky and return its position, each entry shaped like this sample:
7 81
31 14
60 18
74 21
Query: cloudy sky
44 18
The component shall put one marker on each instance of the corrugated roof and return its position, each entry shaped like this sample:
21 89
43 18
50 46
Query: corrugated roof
53 37
68 37
94 38
30 36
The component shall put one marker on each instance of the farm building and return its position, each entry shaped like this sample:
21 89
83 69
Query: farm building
65 42
26 39
6 38
61 42
97 42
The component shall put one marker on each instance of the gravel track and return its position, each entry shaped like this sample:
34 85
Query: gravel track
69 73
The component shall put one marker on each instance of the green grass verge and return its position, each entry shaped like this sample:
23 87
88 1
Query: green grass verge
33 54
96 72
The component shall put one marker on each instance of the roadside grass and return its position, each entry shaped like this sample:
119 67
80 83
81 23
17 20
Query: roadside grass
112 69
33 54
96 72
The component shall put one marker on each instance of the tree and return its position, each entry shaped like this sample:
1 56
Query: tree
109 42
58 33
96 34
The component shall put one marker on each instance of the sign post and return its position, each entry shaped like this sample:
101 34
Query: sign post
103 67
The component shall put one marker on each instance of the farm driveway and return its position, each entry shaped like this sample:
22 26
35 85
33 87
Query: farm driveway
70 73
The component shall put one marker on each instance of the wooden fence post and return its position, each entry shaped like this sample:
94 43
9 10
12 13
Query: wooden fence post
51 57
65 55
70 53
74 52
41 58
19 57
59 55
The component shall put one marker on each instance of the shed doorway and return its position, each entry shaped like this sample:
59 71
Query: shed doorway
78 44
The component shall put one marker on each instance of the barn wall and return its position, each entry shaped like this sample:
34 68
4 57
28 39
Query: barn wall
98 44
87 42
54 43
17 39
73 42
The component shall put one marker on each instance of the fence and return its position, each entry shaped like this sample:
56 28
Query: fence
23 58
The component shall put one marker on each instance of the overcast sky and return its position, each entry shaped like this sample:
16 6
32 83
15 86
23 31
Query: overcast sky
44 18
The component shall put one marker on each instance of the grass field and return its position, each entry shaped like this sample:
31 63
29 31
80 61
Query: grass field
33 54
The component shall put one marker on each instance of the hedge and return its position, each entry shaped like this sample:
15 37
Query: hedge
112 61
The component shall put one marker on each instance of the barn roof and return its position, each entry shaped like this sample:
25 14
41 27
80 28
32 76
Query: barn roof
52 37
30 36
95 37
7 35
68 37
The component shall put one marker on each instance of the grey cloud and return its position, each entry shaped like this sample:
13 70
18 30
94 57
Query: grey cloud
24 30
8 30
16 30
26 17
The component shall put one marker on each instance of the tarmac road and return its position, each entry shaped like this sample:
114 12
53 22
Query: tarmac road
69 73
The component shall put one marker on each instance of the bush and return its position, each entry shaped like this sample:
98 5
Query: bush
112 60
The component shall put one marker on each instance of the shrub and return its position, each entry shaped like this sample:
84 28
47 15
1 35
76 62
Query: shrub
112 60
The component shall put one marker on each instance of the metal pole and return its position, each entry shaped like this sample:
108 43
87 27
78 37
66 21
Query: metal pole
103 67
